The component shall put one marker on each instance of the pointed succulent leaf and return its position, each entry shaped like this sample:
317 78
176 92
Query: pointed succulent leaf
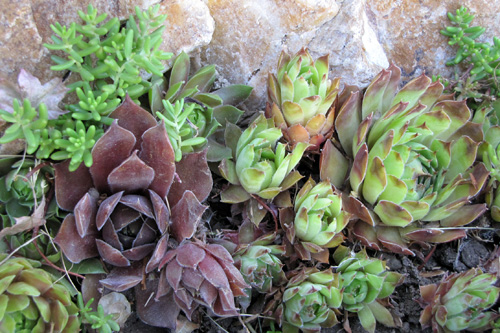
74 247
107 154
133 118
186 215
70 187
131 175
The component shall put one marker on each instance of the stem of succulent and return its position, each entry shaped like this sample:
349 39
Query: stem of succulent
35 169
273 213
35 232
427 257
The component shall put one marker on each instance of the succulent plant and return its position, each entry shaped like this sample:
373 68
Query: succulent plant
259 262
412 174
20 188
33 300
109 58
27 124
188 126
199 273
309 301
488 117
317 221
482 56
119 203
259 166
192 111
365 281
301 98
460 302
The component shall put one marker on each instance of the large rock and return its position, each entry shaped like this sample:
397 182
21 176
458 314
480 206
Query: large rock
250 35
244 38
26 26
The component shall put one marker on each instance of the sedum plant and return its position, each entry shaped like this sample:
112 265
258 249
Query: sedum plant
32 300
301 98
412 173
309 301
365 282
484 57
259 167
460 302
109 58
316 222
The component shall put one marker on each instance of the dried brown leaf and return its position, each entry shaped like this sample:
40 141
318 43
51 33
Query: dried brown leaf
26 223
28 86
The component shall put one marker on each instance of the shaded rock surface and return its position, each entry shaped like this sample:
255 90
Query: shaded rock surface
244 38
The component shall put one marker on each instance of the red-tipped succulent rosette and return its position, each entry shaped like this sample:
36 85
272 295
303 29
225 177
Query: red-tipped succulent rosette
121 204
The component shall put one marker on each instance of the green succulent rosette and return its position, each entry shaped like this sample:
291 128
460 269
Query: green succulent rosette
20 188
260 166
31 300
413 171
316 221
260 266
460 302
366 281
301 98
309 301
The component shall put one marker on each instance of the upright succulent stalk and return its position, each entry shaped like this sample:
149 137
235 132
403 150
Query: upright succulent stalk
412 171
301 98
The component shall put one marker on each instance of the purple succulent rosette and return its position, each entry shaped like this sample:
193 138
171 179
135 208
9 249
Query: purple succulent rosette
121 204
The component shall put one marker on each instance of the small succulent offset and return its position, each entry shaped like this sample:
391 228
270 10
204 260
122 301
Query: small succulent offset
317 221
109 58
310 299
97 319
20 188
26 123
259 166
260 263
365 282
460 302
301 98
412 161
32 300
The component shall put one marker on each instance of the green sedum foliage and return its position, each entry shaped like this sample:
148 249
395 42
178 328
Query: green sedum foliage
484 57
109 58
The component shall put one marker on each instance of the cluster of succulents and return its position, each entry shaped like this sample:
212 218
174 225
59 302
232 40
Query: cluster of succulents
114 192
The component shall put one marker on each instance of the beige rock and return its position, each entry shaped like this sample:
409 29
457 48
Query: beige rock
409 31
250 35
26 26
